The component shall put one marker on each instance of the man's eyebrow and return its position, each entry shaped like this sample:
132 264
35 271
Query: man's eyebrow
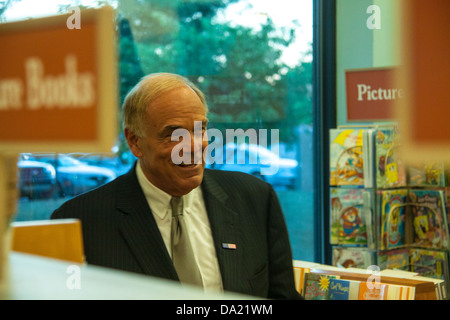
172 127
169 129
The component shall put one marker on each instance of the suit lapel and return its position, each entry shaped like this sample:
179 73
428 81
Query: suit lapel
140 231
226 231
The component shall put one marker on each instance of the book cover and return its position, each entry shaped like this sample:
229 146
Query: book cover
341 289
349 257
426 174
348 216
397 259
393 218
372 291
430 263
316 286
389 167
428 213
346 157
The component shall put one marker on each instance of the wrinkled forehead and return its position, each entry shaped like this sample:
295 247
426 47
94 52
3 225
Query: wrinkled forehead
157 85
181 100
180 107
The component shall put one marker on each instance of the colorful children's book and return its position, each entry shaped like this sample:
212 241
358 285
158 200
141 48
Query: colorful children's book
353 257
397 259
428 213
430 263
341 289
430 174
413 217
389 166
349 216
372 291
348 162
317 286
372 156
393 218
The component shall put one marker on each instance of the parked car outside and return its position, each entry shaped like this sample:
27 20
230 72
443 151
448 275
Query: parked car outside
72 176
111 161
252 158
36 180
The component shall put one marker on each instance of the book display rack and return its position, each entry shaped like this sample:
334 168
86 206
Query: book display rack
387 213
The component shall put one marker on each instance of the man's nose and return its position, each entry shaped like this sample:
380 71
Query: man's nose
197 147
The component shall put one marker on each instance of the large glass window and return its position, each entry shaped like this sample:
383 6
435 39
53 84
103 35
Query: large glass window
252 59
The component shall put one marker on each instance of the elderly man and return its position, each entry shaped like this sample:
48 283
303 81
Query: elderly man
179 221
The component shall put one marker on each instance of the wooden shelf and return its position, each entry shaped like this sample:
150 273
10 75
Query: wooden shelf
59 239
425 290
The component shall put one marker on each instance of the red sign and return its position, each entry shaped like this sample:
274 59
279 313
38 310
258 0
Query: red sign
58 85
372 94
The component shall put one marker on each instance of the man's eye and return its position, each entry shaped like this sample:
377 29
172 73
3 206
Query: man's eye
167 135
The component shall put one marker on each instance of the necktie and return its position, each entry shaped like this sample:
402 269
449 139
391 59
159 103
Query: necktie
182 254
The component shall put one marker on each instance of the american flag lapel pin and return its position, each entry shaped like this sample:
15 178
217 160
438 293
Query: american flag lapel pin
231 246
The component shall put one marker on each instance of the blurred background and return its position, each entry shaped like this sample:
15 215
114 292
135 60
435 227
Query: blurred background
254 61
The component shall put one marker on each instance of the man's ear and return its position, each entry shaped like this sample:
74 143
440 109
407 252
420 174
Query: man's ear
133 142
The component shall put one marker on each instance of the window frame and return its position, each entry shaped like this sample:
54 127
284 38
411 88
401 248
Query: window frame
324 113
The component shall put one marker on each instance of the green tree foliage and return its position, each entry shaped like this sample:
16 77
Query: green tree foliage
239 68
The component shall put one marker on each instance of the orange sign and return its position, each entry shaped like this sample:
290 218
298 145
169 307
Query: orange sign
426 45
58 85
371 94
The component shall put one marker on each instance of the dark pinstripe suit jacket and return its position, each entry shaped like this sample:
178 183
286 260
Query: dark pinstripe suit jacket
119 231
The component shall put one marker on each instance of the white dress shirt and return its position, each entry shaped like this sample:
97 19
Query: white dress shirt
197 223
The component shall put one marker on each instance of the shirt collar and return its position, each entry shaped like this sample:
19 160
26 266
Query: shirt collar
160 200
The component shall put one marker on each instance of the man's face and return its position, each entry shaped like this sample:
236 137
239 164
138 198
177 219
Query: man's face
176 109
